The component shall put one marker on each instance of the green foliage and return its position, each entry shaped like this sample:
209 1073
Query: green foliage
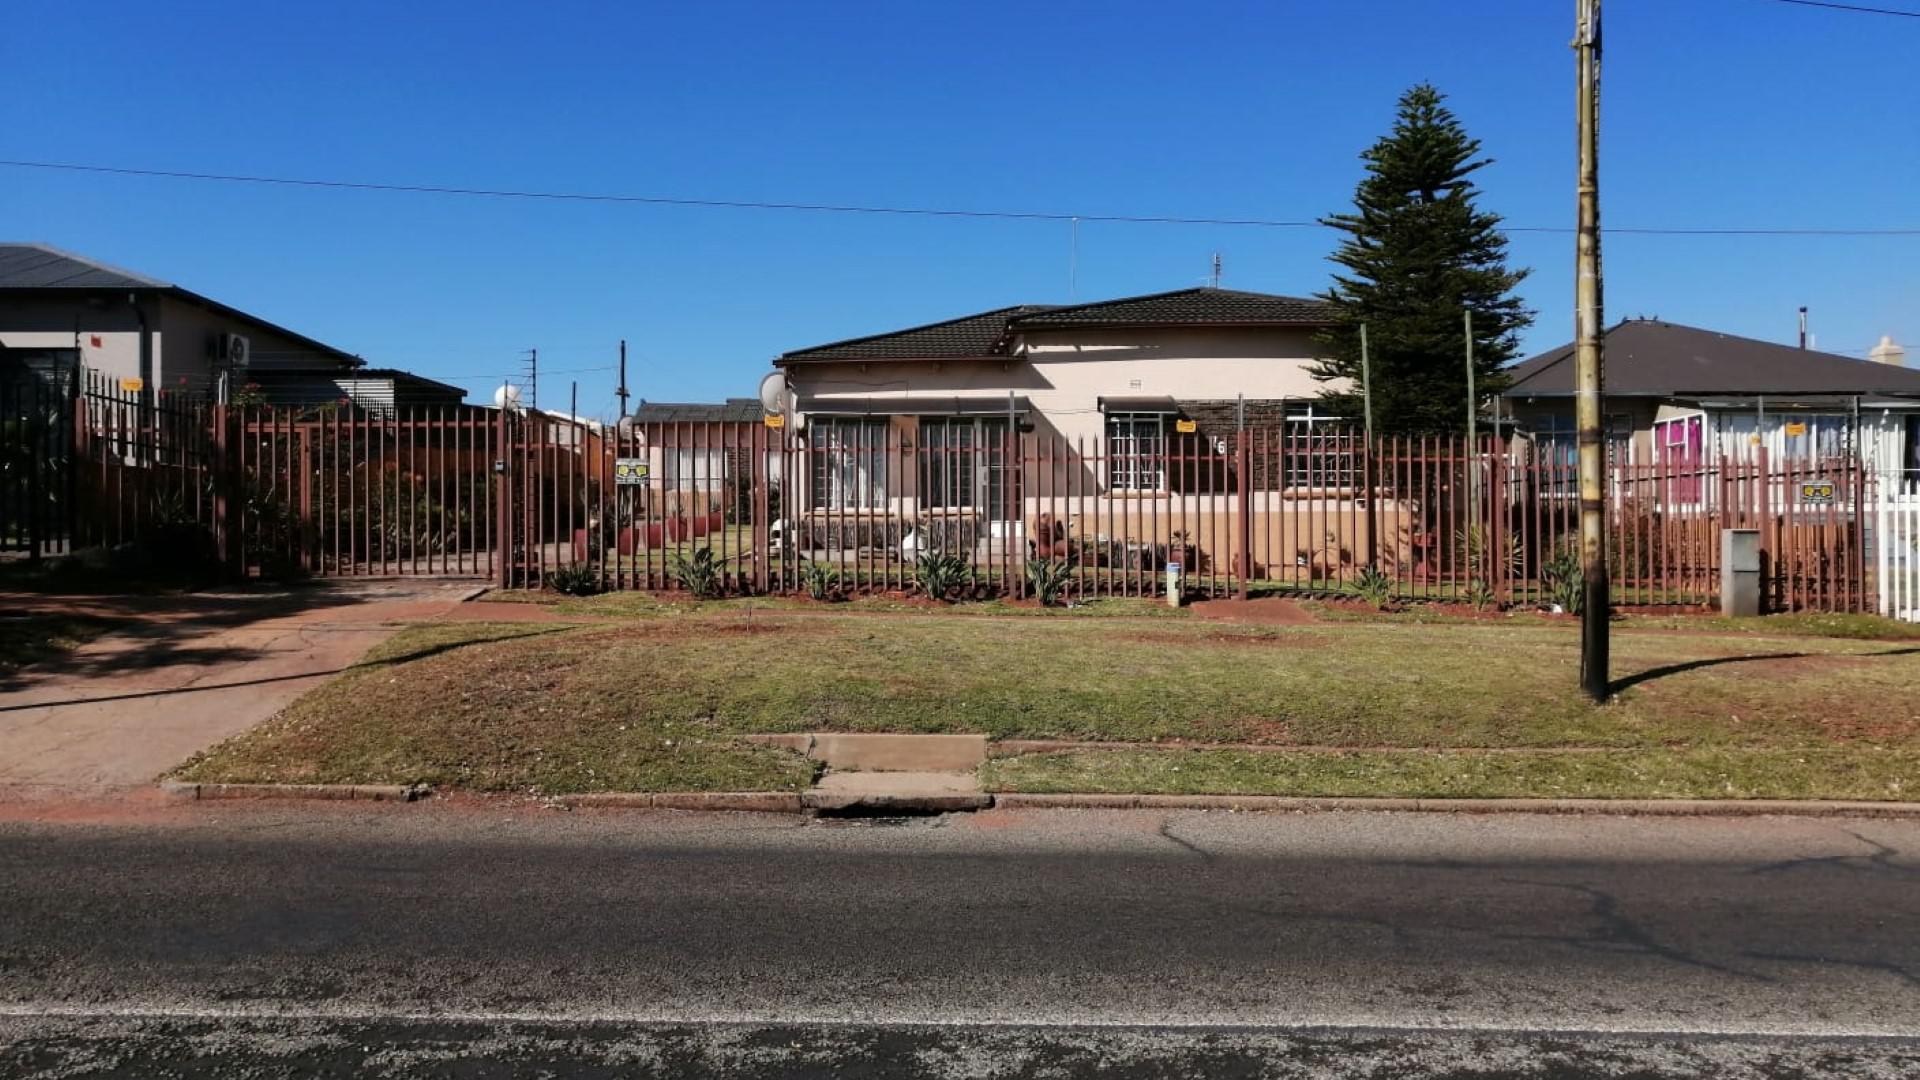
1417 253
940 573
698 573
1372 585
1480 594
1049 579
1477 545
822 580
1563 577
574 579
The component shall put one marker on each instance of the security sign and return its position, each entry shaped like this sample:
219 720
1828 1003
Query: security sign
1186 427
630 470
1816 491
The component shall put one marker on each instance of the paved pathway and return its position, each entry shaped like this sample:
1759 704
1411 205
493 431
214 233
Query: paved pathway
184 673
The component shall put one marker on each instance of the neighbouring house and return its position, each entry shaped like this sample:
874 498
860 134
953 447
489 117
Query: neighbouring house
59 311
1679 395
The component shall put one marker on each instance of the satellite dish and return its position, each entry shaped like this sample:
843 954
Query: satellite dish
773 392
507 397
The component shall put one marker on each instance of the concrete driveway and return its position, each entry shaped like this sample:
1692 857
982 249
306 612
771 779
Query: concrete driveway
184 673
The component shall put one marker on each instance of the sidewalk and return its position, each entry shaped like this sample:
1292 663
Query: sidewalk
183 673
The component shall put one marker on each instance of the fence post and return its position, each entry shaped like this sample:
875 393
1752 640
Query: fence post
1857 554
1243 465
1763 517
503 497
1499 567
226 537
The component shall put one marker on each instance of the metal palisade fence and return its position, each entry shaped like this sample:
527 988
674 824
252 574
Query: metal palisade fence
856 505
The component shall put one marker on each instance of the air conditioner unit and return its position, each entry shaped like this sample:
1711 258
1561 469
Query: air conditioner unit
235 350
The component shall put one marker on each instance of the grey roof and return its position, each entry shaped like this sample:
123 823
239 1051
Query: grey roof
987 333
1188 307
671 412
40 266
1650 358
969 335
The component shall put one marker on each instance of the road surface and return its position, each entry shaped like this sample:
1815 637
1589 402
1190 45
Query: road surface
450 939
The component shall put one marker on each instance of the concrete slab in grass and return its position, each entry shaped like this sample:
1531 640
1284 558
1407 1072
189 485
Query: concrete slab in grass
899 753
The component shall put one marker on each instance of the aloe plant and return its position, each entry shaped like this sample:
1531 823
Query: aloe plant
940 574
699 573
1372 585
1049 579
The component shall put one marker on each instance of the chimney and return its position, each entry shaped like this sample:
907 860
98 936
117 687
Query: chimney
1887 352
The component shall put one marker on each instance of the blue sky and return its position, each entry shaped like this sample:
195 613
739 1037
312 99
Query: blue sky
1716 113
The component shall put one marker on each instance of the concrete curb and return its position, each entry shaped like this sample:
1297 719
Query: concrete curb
876 803
326 792
793 802
1618 807
757 802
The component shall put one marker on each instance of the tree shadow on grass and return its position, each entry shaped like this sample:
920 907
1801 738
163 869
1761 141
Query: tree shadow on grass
358 665
1661 672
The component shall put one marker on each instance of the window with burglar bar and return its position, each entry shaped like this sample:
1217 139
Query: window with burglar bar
849 470
1137 451
1320 451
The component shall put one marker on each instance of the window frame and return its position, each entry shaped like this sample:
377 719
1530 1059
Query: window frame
843 475
1128 463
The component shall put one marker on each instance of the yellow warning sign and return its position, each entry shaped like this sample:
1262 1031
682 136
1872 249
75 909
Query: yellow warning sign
1186 427
133 385
1796 429
775 420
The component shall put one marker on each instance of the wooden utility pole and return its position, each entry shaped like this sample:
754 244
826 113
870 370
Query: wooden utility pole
1589 377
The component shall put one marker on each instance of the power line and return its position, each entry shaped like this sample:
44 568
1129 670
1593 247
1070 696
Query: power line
1852 7
903 211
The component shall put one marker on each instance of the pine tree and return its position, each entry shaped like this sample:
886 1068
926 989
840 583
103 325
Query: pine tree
1417 253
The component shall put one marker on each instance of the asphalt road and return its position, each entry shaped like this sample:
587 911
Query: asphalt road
449 940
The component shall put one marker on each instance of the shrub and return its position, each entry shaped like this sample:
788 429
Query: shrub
574 579
1480 594
699 574
1562 575
1372 585
823 581
1049 579
1483 558
940 574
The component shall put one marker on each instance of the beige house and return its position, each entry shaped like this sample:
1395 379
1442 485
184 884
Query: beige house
1125 407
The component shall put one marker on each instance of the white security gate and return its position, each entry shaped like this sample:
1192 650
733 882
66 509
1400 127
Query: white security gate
1897 540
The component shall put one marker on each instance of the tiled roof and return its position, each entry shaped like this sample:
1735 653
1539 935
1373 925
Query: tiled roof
1649 358
38 266
668 412
1183 307
969 335
986 333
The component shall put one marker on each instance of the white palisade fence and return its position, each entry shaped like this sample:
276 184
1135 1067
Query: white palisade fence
1897 566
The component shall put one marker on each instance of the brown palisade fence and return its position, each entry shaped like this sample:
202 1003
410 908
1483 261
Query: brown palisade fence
846 506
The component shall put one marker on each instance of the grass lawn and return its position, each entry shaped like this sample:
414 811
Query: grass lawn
29 639
652 703
1846 772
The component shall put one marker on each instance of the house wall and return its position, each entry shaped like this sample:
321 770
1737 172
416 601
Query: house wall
181 335
1064 373
1885 446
